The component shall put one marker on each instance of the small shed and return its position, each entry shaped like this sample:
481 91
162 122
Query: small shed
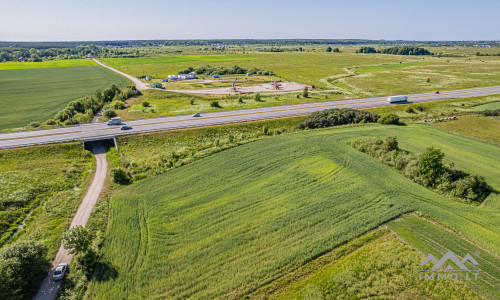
249 74
215 76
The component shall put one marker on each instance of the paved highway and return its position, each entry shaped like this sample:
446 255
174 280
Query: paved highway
101 130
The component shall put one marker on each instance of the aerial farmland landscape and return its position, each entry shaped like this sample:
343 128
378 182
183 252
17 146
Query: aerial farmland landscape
278 151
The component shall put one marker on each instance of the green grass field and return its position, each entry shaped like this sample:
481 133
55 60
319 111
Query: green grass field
377 74
482 128
429 238
271 206
38 94
46 181
374 265
46 64
491 106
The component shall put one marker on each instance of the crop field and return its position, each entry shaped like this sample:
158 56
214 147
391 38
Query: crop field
374 264
430 238
46 64
273 205
46 182
38 94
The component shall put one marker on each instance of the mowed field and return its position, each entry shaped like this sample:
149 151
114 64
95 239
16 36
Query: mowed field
272 205
37 94
14 65
350 73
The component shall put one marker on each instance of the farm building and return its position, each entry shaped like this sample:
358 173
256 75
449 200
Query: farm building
90 55
156 85
191 75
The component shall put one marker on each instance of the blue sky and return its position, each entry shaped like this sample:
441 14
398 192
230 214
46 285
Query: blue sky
69 20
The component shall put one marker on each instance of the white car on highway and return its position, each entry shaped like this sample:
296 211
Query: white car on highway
60 271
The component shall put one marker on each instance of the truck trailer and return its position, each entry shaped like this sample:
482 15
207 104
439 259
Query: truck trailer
115 121
396 99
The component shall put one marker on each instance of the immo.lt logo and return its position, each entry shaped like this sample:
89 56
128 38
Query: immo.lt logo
436 272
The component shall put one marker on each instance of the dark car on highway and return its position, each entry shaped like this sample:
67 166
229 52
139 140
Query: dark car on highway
126 127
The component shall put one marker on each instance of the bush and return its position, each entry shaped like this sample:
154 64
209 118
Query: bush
389 119
430 166
34 124
215 104
117 104
257 97
109 113
51 122
77 239
240 99
410 110
305 93
492 113
191 101
145 104
119 176
336 116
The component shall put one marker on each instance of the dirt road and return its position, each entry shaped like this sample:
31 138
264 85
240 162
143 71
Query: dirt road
49 288
138 84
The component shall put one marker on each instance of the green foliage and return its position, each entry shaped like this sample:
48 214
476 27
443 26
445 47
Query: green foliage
389 119
35 124
192 101
235 70
409 110
305 92
336 117
77 239
406 50
427 169
336 50
265 130
109 113
22 267
145 104
328 49
366 50
119 176
240 99
215 104
430 166
257 97
117 105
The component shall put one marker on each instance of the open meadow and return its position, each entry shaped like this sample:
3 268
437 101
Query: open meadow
37 94
271 206
41 187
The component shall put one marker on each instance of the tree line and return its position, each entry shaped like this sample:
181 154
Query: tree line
399 50
209 70
427 169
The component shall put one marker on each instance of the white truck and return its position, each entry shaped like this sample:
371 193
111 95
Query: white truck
115 121
396 99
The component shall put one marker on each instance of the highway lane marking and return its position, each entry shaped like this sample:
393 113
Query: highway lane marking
44 135
264 112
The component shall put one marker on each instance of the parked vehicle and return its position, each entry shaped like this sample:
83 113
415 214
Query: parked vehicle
196 115
436 92
115 121
125 127
396 99
60 271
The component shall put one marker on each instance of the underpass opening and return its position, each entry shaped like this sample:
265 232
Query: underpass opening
100 145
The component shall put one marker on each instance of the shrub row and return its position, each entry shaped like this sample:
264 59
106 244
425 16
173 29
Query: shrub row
336 116
426 169
209 70
491 113
83 110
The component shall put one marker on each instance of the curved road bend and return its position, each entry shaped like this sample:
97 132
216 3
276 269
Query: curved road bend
48 289
138 84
